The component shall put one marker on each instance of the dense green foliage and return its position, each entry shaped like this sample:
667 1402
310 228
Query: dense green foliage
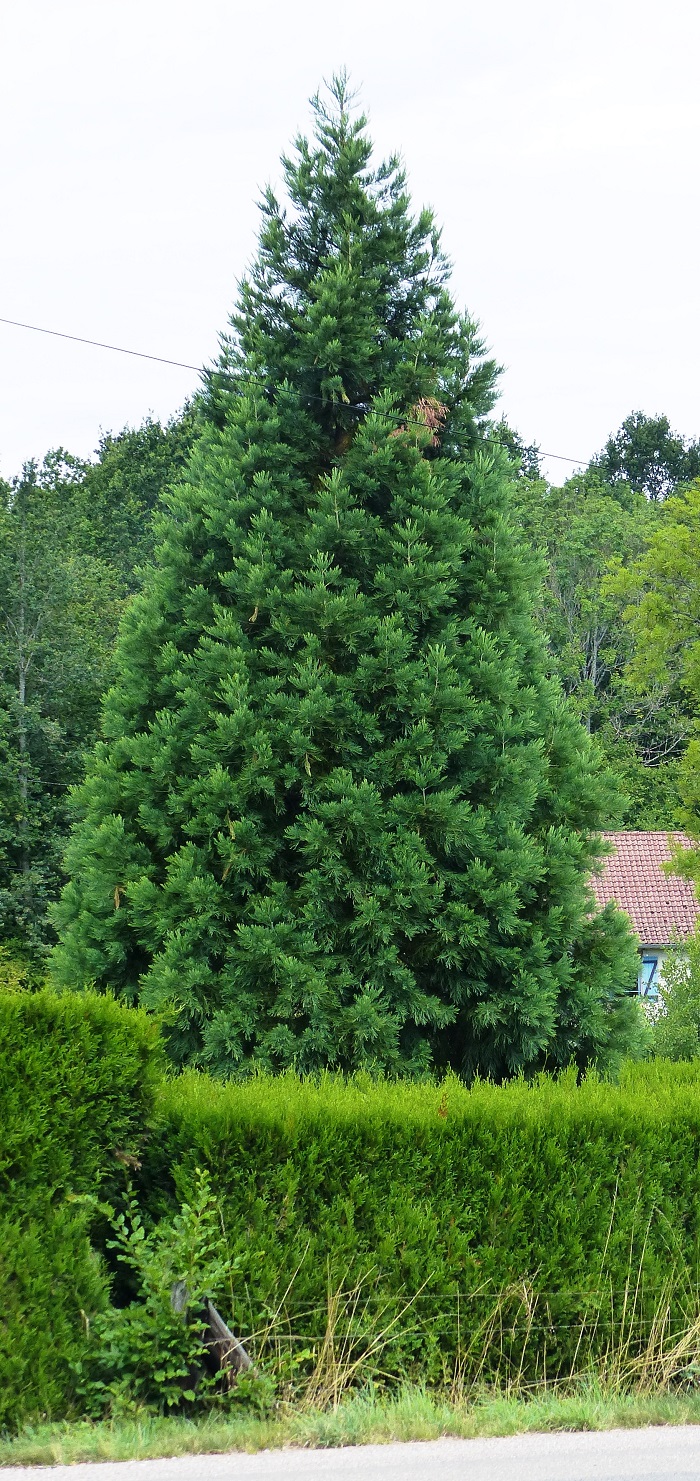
119 492
77 1082
49 1277
563 1213
77 1079
58 614
581 528
72 538
75 535
566 1214
676 1032
342 815
647 457
590 533
660 592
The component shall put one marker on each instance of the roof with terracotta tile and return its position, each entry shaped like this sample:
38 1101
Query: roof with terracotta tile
660 906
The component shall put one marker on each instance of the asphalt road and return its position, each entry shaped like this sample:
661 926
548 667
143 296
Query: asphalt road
657 1454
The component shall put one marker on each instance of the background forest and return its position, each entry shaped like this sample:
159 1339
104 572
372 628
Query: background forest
75 542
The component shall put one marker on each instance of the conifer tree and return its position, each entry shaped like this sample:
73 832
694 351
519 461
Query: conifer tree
341 816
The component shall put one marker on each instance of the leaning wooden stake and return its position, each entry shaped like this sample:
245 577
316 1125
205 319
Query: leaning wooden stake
231 1356
226 1353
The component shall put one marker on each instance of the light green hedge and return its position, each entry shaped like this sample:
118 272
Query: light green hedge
77 1082
504 1228
569 1209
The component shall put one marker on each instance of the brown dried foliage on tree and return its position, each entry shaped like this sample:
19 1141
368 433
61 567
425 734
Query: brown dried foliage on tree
427 412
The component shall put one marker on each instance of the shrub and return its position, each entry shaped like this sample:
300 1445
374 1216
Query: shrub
51 1282
149 1353
676 1031
77 1083
18 971
504 1229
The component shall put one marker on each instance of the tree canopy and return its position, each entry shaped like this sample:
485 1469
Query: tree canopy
587 532
73 535
58 614
662 592
647 456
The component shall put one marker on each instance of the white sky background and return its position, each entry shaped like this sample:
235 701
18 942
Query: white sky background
557 142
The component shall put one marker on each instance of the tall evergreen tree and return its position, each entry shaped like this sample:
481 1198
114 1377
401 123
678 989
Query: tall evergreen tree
341 816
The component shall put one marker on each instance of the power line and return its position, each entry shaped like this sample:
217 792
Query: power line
99 344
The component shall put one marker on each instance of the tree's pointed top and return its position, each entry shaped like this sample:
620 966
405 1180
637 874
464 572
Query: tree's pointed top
342 97
348 295
338 123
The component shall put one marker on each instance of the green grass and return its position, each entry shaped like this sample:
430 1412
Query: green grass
365 1418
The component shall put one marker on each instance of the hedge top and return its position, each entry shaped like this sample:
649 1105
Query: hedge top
296 1105
78 1075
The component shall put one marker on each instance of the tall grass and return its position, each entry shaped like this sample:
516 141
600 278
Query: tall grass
341 1388
624 1345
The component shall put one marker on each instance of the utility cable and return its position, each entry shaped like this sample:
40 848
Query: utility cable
99 344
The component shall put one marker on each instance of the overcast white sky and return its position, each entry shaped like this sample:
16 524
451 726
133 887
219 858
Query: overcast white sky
557 142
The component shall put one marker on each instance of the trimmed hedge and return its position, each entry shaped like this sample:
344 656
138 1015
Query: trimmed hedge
501 1229
50 1284
78 1076
564 1214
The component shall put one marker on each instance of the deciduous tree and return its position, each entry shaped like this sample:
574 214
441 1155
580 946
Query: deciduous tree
662 590
647 456
58 613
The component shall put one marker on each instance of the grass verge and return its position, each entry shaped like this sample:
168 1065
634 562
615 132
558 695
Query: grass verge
360 1419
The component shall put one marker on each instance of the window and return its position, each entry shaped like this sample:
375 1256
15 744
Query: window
648 980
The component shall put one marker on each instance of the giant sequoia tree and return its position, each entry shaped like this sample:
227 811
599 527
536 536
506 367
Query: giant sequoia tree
340 815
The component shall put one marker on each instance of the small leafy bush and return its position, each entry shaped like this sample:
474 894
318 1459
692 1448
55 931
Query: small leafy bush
149 1354
676 1031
